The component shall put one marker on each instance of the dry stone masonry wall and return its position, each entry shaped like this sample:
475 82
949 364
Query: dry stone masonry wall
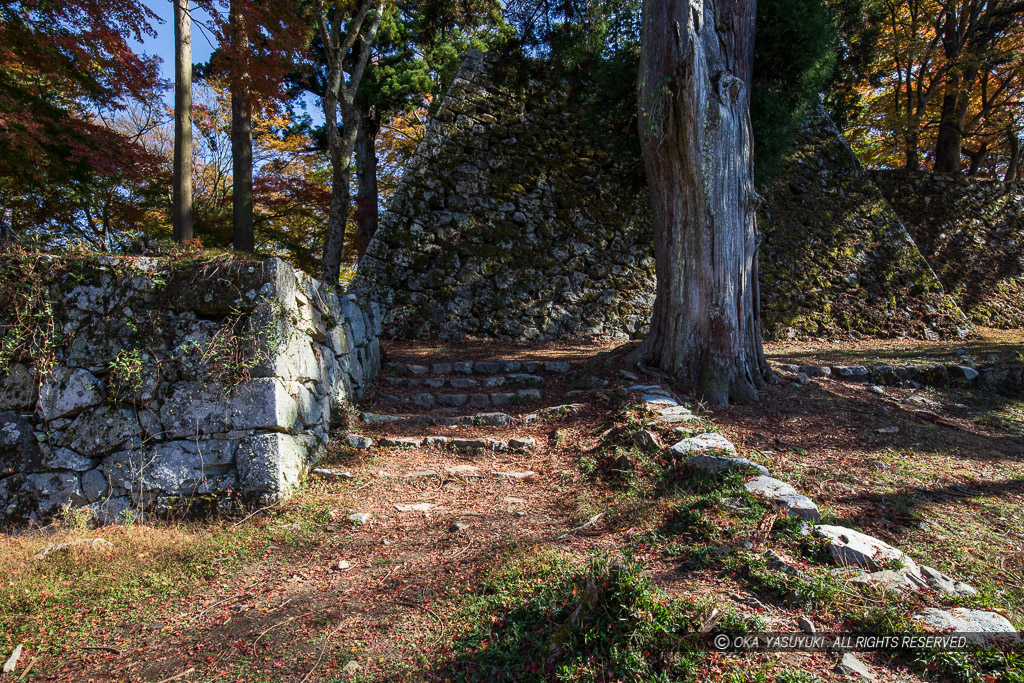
167 386
511 222
835 257
972 233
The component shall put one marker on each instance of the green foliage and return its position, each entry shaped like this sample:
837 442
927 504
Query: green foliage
858 29
794 57
239 346
540 615
126 370
27 322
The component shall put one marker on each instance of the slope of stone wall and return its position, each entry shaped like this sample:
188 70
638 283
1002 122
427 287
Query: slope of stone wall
972 233
161 386
836 258
513 222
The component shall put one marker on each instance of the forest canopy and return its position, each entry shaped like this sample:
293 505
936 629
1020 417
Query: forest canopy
86 131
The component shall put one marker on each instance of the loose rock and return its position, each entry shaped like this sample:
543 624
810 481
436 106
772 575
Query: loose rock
980 627
848 665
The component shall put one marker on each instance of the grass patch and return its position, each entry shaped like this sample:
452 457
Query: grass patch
544 615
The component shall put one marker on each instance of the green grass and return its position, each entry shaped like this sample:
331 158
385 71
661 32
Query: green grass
544 616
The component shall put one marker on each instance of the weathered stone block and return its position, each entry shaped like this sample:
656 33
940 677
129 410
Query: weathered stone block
67 391
98 431
19 450
271 463
18 390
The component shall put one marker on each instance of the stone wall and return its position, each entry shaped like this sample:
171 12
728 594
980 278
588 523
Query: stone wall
162 386
835 257
513 220
972 233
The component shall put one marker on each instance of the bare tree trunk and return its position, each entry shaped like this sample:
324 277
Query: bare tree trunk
1015 154
367 199
955 103
947 144
695 66
243 236
342 148
911 140
976 158
181 195
348 53
7 236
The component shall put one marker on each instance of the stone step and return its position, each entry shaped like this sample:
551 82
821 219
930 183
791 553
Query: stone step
480 367
462 471
468 443
515 379
490 419
460 400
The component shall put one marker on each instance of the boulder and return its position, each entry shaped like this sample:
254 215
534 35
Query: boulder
117 510
979 627
716 463
851 373
848 665
853 548
768 487
399 442
491 420
522 443
676 414
358 441
647 441
707 443
52 490
94 484
785 496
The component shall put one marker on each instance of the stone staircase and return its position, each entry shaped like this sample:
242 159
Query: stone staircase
460 384
445 437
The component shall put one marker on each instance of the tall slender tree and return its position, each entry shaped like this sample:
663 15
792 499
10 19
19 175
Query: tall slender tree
181 196
694 109
243 237
347 38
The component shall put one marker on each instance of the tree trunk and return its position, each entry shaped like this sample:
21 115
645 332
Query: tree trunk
976 158
947 144
955 103
1015 154
367 213
243 236
913 153
695 66
341 95
342 147
6 234
181 195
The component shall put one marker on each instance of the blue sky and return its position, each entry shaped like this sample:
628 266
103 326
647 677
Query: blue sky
163 44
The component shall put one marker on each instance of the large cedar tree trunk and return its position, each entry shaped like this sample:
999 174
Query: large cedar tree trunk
696 62
243 237
181 193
